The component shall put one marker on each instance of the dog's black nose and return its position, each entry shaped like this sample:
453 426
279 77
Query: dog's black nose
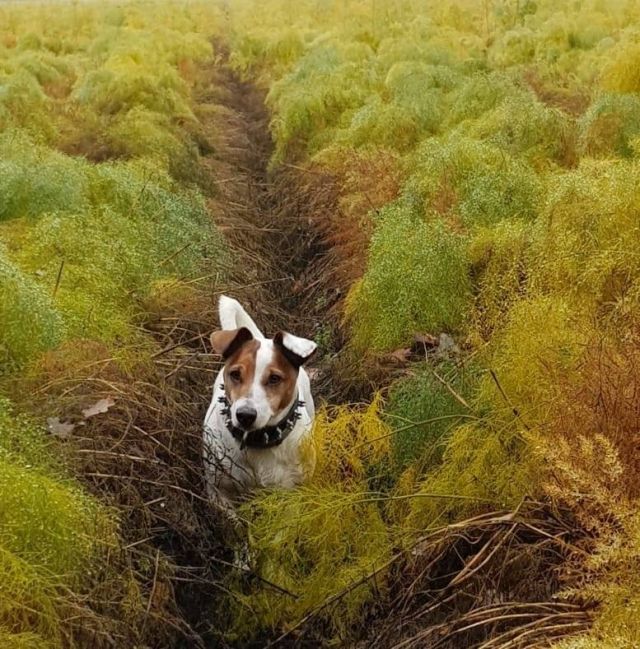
246 416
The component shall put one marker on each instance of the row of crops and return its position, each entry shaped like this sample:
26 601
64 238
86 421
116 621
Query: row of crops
100 217
486 158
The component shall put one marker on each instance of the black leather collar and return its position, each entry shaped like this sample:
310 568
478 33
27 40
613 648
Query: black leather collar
266 437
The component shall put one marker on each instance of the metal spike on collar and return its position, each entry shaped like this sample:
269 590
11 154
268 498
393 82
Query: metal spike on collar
271 436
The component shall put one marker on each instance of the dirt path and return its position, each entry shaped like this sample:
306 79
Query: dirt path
276 271
266 217
144 455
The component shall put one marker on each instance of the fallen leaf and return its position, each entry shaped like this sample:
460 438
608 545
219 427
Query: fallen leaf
61 429
312 373
98 407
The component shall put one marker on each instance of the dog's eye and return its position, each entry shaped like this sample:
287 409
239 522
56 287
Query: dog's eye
235 375
274 379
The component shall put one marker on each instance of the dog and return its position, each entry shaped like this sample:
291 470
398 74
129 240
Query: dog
261 411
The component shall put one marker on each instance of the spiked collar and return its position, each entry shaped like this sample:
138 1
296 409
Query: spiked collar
266 437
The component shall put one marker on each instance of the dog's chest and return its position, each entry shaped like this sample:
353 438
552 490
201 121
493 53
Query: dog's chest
235 470
282 466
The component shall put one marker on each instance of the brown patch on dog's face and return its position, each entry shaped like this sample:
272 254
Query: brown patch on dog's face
259 379
280 381
239 371
228 341
277 379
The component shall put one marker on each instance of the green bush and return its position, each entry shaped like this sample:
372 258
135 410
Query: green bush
124 83
24 104
473 182
140 132
386 125
35 179
538 348
507 231
27 640
113 251
51 534
622 74
478 94
587 243
29 321
523 126
325 84
610 125
501 260
420 410
313 542
46 67
416 280
83 243
482 466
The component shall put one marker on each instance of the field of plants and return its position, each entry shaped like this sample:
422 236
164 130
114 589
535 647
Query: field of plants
446 197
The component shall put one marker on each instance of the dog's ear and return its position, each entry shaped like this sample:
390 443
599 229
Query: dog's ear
296 350
228 341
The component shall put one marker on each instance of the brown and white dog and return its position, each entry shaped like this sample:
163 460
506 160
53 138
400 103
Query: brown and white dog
261 411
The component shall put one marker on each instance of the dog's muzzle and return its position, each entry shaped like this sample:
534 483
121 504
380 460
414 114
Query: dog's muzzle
266 437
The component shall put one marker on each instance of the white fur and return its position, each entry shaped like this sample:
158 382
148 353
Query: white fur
232 472
233 316
300 346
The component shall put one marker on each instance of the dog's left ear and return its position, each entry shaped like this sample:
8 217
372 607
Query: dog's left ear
296 350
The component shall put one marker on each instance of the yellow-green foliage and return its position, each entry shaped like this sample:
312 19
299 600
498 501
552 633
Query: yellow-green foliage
539 346
318 540
517 129
483 465
521 125
500 259
140 131
138 71
26 640
35 179
416 280
50 536
314 542
347 441
29 321
24 104
311 100
587 245
420 411
273 49
84 242
104 80
589 475
101 251
473 182
610 125
622 74
97 207
477 94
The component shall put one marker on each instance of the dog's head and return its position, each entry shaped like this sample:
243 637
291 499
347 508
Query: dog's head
260 375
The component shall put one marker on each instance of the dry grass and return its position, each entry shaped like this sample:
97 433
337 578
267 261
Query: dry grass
486 582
